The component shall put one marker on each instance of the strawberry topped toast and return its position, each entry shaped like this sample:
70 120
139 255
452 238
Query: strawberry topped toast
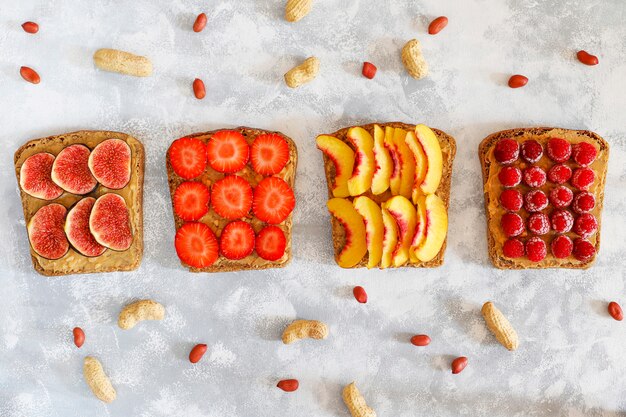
232 197
389 192
82 196
544 190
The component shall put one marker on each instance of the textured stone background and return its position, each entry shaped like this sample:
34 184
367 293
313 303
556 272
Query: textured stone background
570 362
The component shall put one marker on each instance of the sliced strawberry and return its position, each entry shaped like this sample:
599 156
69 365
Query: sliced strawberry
188 157
227 151
191 200
237 240
271 243
269 154
231 197
273 200
196 245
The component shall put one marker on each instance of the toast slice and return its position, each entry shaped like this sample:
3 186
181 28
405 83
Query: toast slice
217 223
448 149
73 262
492 189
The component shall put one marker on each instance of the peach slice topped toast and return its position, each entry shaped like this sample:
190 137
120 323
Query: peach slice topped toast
544 191
82 195
232 197
392 208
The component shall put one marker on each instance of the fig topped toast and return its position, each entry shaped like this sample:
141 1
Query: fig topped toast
544 192
384 194
76 224
232 199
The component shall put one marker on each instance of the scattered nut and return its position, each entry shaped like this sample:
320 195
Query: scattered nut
359 294
79 336
303 73
517 81
288 385
586 58
420 340
197 352
355 402
297 9
30 27
97 380
30 75
458 364
122 62
304 329
615 311
437 25
200 23
500 326
198 89
413 59
139 311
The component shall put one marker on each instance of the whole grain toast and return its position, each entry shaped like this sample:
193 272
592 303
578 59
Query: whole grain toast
491 193
73 262
448 148
217 223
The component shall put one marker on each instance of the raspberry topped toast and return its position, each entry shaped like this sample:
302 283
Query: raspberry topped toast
82 195
544 190
232 197
389 192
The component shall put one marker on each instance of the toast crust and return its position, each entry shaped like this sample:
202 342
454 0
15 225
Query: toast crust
217 223
73 262
448 149
491 192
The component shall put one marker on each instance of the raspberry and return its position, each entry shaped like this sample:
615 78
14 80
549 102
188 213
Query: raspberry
535 200
560 174
506 151
562 246
583 250
561 197
562 221
536 249
513 248
512 224
583 202
510 176
583 178
584 153
538 223
511 200
585 225
532 151
534 177
559 150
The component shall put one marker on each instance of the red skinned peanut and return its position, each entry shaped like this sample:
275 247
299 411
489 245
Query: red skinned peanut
30 27
200 23
288 385
459 364
615 311
420 340
517 81
360 294
79 336
437 25
586 58
197 353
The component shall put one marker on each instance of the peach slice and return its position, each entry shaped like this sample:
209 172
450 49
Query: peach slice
390 144
405 216
363 170
342 157
407 163
432 149
355 246
421 164
436 228
384 164
374 228
420 227
390 238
